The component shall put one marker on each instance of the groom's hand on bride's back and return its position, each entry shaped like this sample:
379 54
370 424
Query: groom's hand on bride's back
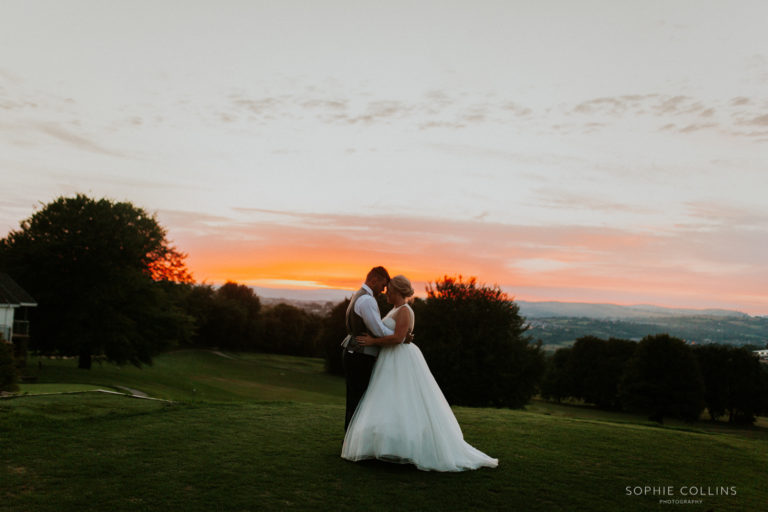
408 338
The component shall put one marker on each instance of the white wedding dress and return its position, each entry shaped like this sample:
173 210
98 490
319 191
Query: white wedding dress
404 417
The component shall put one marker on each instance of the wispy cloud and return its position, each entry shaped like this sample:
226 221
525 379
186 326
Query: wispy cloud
711 213
77 141
680 114
563 199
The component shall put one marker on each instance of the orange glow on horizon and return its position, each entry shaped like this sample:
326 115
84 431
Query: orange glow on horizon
587 265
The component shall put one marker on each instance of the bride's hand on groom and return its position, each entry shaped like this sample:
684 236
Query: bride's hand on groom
365 339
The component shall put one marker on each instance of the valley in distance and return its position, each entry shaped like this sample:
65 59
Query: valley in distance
559 324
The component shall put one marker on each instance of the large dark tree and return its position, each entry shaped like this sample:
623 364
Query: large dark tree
716 372
662 378
557 383
101 273
595 368
289 330
473 338
748 386
236 317
735 382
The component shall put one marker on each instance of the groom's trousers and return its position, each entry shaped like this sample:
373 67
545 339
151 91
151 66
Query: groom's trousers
357 370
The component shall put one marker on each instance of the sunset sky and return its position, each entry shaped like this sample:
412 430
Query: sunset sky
592 151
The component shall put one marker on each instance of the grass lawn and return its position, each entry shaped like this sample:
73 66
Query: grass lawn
264 432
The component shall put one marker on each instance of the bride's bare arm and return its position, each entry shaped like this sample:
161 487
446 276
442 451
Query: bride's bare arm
402 325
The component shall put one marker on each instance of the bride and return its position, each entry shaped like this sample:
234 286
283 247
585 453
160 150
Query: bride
403 416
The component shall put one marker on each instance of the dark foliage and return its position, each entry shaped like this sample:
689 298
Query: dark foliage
103 274
590 371
232 317
332 332
474 340
735 382
748 390
595 369
715 372
287 329
557 383
663 379
235 318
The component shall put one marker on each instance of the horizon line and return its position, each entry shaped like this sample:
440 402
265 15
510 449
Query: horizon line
335 294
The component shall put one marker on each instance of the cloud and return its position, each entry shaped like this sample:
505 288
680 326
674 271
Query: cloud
76 141
759 120
680 114
434 109
696 127
561 199
720 214
438 109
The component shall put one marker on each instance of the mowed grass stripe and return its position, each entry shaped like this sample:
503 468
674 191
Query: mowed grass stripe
197 375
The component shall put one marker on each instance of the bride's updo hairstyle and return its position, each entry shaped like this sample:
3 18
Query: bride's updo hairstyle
401 285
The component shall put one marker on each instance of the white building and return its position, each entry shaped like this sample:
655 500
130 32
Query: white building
761 354
13 297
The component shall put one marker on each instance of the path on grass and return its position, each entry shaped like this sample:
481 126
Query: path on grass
134 392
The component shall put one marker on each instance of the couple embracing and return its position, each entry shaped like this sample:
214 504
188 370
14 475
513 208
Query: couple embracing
395 409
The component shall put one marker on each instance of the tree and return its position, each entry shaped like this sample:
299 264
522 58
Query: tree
557 382
663 379
595 369
236 317
103 273
332 331
473 338
748 390
715 371
200 303
289 330
734 382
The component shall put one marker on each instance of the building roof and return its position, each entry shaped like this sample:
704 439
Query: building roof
12 294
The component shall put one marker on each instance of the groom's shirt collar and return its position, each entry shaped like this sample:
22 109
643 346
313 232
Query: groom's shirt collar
368 309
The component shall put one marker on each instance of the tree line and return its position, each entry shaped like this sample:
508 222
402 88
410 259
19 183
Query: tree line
660 376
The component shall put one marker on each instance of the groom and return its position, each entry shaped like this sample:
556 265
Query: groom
363 317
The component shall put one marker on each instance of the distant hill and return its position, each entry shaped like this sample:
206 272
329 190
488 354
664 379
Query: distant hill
559 324
614 312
